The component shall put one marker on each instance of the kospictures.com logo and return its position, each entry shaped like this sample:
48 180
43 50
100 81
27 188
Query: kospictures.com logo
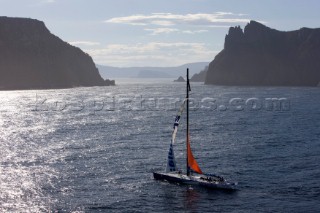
140 103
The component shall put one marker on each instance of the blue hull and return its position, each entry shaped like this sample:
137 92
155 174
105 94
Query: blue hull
170 178
193 180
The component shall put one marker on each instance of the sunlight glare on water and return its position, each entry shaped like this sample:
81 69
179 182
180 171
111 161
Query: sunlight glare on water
70 150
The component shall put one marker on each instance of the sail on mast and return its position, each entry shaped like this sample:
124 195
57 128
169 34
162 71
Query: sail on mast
194 175
191 161
171 162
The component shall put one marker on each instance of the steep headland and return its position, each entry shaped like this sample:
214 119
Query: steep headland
261 56
33 58
201 76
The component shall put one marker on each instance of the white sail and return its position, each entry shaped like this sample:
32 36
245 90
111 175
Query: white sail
177 120
171 163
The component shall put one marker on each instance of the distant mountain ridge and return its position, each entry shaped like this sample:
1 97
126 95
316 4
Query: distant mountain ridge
261 56
155 72
33 58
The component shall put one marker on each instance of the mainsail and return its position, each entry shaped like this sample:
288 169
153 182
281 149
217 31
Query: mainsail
171 163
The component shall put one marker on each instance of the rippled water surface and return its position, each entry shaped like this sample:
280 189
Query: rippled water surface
94 149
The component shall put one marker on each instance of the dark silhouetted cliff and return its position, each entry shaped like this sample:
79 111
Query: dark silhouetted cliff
261 56
33 58
201 76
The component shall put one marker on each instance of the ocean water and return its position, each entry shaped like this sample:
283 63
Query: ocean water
94 149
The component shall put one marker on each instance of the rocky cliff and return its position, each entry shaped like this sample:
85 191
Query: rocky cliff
261 56
201 76
33 58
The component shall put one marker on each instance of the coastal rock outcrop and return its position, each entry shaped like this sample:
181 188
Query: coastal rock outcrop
180 79
33 58
261 56
109 82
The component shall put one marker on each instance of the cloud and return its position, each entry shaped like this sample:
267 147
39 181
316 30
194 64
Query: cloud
48 1
40 3
166 53
219 26
84 43
169 19
149 54
162 23
157 31
194 31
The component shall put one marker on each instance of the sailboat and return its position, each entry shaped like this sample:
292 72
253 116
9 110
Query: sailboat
193 174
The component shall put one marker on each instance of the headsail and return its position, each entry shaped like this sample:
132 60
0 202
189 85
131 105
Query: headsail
177 120
171 163
192 163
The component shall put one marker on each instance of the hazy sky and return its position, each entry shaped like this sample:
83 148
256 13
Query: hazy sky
158 32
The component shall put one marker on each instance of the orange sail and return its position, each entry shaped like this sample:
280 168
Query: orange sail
192 163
